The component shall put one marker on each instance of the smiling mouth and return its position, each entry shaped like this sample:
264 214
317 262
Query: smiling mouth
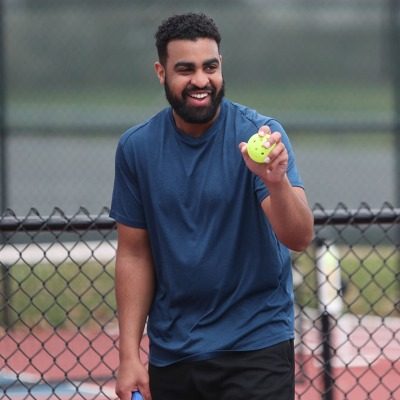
198 96
197 93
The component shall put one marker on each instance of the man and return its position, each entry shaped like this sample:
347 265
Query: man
204 235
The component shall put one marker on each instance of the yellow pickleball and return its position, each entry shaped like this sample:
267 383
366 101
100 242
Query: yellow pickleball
255 148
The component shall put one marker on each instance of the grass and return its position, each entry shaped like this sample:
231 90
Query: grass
64 295
312 99
369 276
78 295
290 100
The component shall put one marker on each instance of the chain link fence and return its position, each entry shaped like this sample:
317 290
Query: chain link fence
59 335
75 74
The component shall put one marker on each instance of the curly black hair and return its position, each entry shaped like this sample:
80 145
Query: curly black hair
190 26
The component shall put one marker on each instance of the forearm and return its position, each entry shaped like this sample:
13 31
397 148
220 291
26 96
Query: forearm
286 207
134 287
289 214
134 293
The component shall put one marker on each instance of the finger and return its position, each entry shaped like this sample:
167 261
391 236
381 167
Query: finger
125 395
268 143
264 130
277 154
145 392
243 150
275 137
243 146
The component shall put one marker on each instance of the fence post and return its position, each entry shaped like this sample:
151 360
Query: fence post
3 128
394 60
3 164
329 287
327 356
5 290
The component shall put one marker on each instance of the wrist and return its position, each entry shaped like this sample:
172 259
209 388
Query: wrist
276 186
130 356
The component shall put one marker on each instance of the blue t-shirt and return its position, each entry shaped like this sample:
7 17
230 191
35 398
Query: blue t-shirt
223 280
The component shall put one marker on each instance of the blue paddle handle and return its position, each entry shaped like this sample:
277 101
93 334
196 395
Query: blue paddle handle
137 396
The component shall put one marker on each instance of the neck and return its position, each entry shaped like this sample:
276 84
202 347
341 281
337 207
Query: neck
192 129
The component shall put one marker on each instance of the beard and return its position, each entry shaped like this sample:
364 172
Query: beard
195 115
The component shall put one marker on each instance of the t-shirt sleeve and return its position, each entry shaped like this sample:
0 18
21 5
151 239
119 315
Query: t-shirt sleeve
126 203
292 171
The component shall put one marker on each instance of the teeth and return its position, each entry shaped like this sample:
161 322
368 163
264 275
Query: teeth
199 95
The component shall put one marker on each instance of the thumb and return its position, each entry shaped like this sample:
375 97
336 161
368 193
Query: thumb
243 147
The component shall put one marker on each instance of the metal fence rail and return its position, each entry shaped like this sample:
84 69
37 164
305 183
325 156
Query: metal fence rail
58 331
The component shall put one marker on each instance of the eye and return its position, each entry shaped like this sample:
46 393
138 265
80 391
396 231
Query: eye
211 68
184 71
184 68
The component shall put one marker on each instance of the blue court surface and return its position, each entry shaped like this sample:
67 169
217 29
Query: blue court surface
29 386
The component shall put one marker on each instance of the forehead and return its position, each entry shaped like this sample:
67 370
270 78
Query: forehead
194 51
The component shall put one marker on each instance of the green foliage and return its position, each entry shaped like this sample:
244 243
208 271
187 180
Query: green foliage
369 277
62 295
77 295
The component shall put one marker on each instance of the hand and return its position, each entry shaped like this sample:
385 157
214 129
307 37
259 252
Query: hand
273 170
131 377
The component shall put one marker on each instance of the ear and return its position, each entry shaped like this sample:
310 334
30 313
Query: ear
160 72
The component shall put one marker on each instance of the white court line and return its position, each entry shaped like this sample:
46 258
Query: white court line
58 253
23 376
92 388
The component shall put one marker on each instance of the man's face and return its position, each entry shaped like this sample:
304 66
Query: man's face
193 80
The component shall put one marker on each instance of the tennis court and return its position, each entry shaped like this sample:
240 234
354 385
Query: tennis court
69 364
64 363
28 387
365 362
73 364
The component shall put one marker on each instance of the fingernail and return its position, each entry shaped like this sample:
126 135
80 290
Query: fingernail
267 160
267 144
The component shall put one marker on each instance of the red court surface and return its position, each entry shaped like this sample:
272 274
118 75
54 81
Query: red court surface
79 364
365 359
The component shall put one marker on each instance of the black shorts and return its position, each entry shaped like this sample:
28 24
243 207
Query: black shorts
266 374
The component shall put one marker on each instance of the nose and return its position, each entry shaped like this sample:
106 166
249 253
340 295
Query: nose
200 79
